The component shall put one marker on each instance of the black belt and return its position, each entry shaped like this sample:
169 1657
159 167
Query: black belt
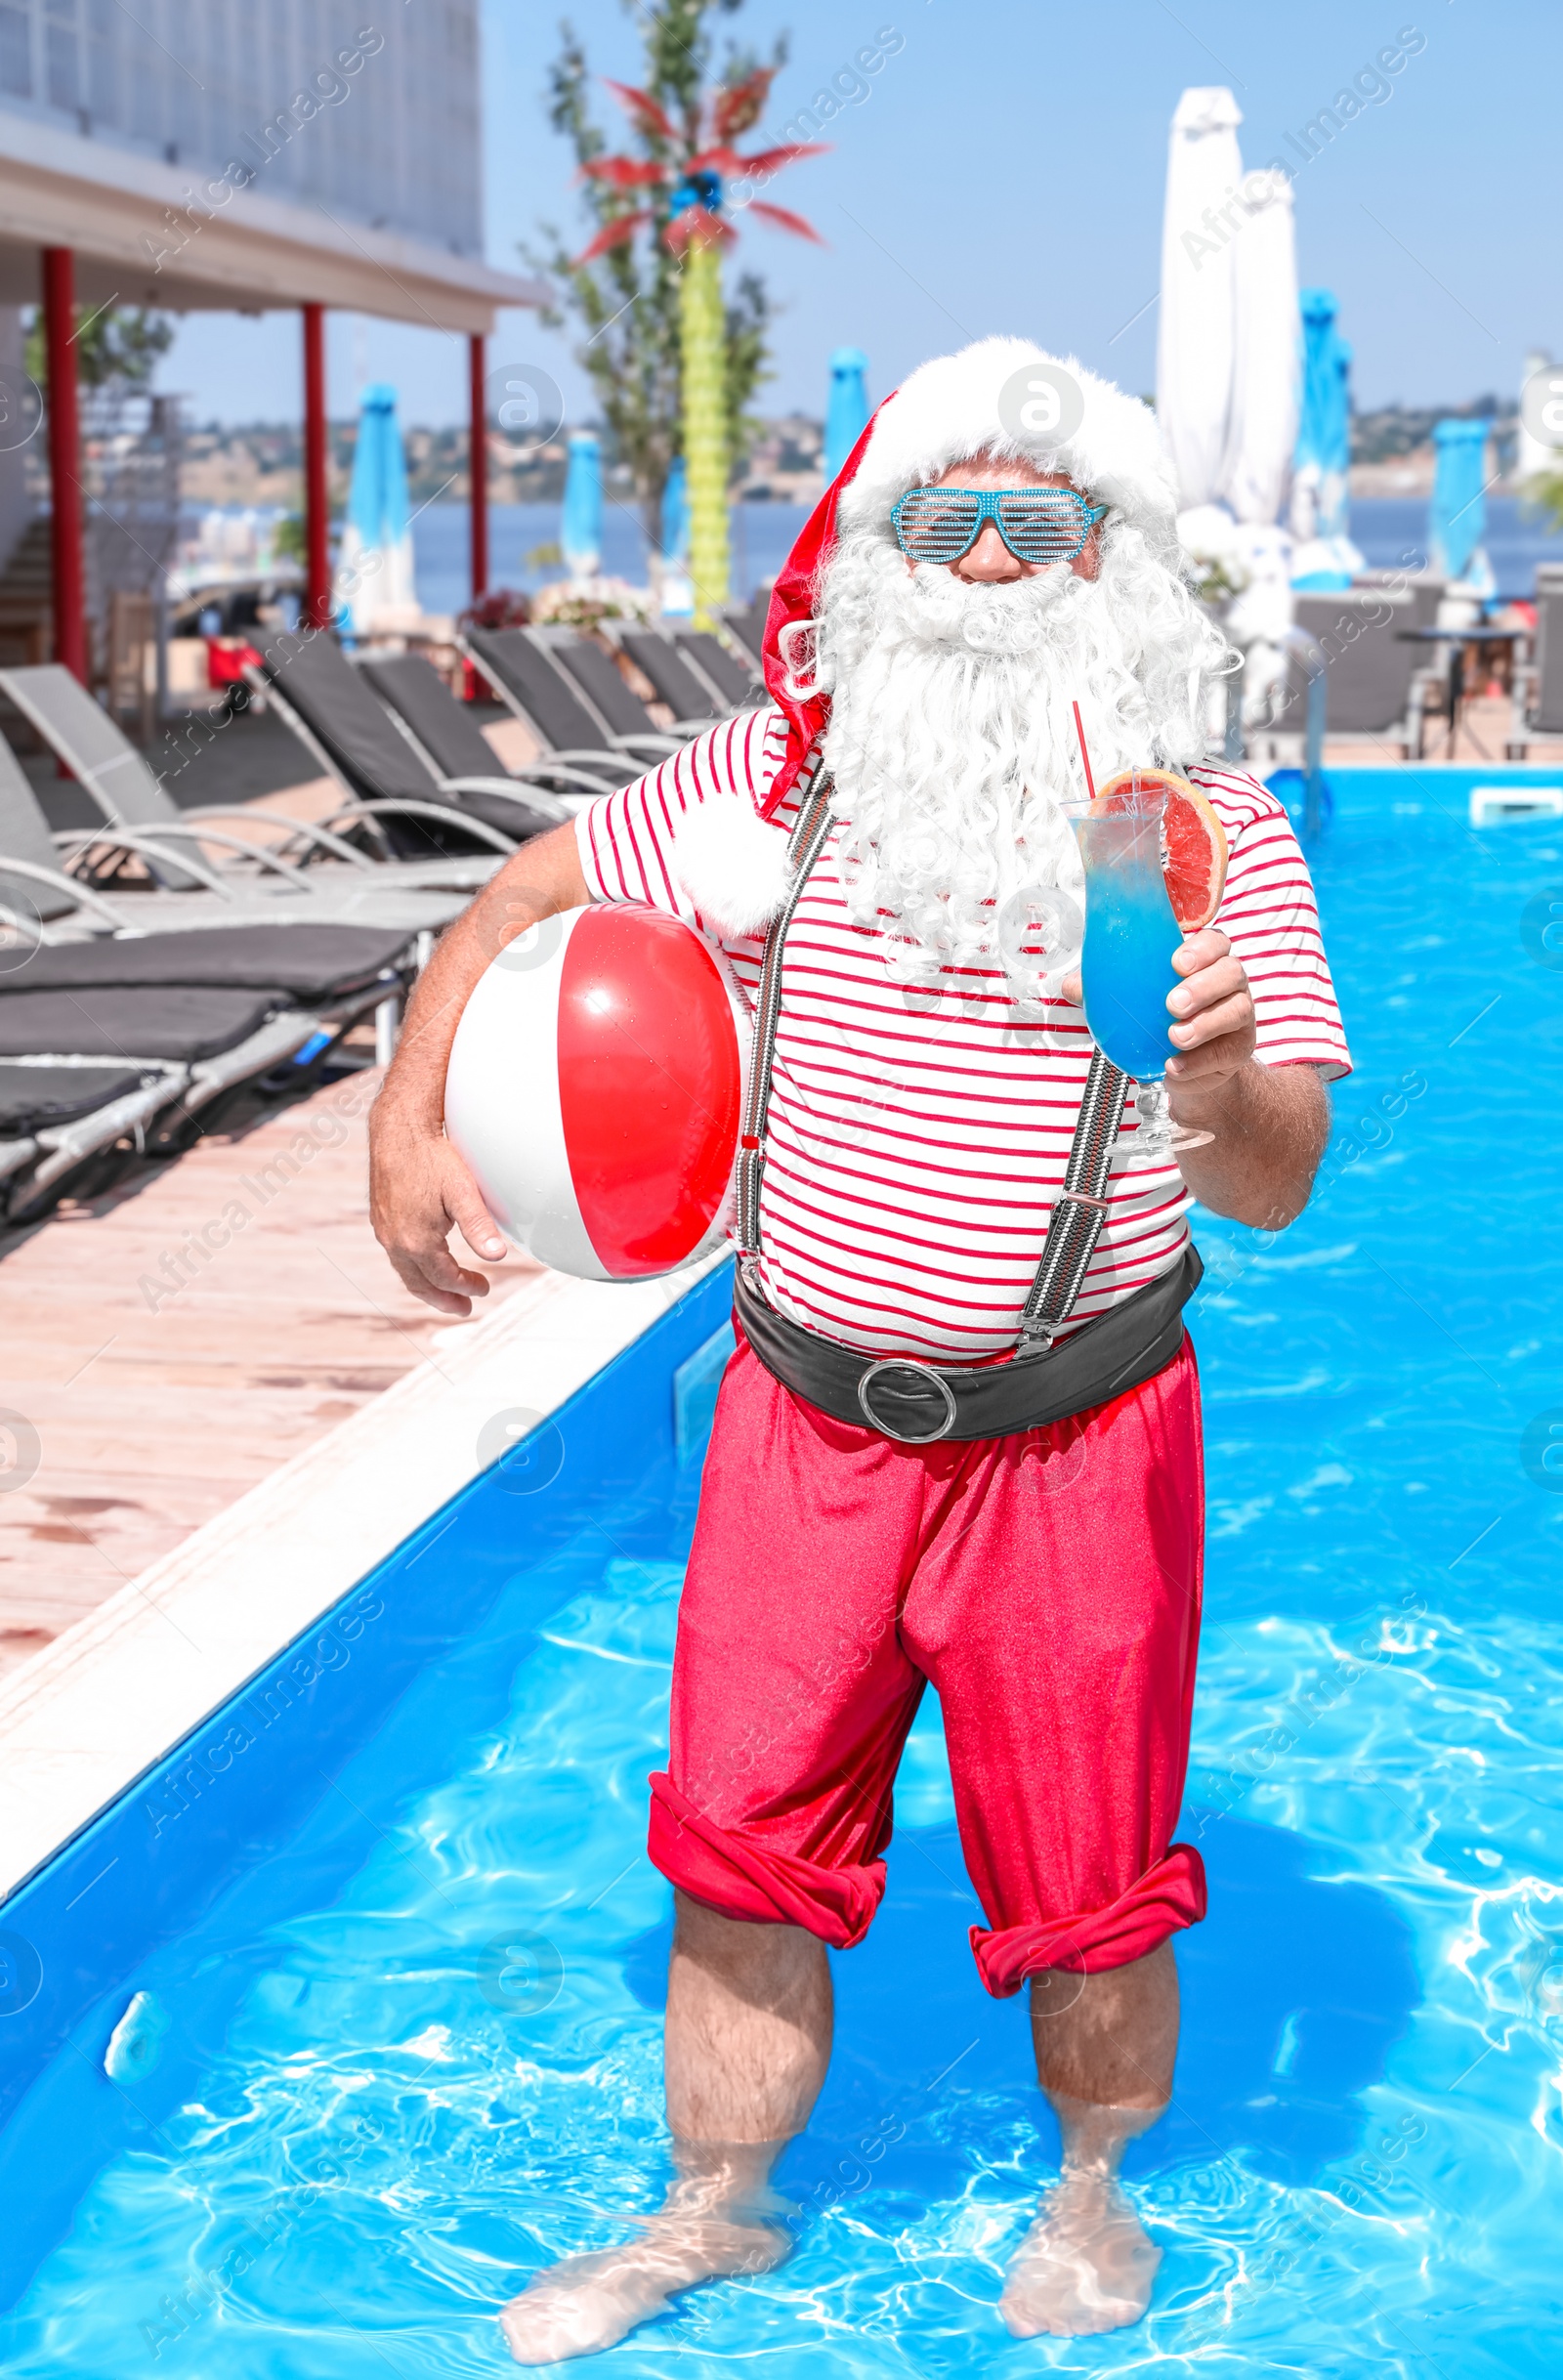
918 1403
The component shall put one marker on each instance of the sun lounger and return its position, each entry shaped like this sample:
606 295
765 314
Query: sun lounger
692 702
331 707
145 823
45 901
443 733
58 1114
1370 665
178 1025
746 626
320 965
735 681
529 684
1546 718
622 716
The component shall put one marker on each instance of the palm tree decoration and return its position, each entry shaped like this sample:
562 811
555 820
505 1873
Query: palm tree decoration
687 170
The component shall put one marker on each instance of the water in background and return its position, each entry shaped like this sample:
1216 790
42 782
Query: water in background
421 2050
1391 531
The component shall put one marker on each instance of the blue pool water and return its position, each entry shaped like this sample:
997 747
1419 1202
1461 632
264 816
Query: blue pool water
414 2044
1126 966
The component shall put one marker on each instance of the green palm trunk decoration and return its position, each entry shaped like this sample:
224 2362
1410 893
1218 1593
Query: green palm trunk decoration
685 177
703 351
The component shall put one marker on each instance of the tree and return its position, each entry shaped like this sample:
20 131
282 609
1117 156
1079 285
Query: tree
673 365
1543 495
122 345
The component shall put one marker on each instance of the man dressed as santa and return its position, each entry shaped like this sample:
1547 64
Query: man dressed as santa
960 1440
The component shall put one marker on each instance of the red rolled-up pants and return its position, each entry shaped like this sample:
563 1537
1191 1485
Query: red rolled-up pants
1046 1584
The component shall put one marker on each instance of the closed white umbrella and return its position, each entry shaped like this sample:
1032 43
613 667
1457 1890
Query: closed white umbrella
1266 362
1196 339
1262 433
1534 457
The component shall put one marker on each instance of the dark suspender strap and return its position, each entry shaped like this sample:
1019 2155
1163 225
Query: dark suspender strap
807 841
1077 1219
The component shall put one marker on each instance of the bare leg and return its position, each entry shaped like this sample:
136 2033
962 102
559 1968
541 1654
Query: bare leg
1105 2051
746 2046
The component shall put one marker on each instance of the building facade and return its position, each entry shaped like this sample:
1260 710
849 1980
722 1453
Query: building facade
365 108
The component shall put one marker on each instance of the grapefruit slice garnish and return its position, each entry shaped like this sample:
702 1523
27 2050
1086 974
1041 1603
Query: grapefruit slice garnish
1194 843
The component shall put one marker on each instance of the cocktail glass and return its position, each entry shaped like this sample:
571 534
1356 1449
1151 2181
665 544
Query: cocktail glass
1127 968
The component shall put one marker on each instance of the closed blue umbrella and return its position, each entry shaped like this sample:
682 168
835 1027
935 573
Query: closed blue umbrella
1458 513
678 595
847 415
676 513
1321 488
374 571
580 531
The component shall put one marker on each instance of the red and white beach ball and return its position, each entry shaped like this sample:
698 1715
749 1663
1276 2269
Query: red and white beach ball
595 1089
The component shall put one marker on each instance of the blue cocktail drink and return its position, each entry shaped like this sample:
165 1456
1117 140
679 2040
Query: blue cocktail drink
1130 935
1126 969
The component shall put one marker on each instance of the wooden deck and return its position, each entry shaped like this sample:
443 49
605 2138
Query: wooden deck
161 1386
1485 725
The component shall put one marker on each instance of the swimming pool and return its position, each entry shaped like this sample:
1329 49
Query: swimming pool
410 1952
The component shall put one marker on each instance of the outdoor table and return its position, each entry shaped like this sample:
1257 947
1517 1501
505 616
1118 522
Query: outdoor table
1458 638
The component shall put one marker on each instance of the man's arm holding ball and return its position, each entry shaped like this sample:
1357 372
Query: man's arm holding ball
1269 1122
418 1185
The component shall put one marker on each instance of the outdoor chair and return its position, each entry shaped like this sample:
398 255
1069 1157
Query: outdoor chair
622 716
331 708
146 824
738 684
692 700
524 679
41 900
446 737
1368 665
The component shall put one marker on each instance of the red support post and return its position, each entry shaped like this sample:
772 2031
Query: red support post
478 467
316 488
65 460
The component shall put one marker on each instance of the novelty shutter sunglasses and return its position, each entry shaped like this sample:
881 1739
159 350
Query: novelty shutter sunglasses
1036 523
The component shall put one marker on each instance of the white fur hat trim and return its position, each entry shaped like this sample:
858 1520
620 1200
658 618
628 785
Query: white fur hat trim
948 409
731 863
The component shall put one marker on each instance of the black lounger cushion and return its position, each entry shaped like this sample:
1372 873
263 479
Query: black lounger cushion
309 963
33 1097
182 1021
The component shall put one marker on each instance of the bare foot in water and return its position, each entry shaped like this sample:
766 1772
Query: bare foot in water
712 2227
1086 2264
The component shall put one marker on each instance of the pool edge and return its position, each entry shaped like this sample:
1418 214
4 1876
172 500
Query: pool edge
118 1692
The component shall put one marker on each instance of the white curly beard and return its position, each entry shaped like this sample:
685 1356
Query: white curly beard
952 741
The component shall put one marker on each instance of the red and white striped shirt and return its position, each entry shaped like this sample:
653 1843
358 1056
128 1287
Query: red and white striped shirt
916 1141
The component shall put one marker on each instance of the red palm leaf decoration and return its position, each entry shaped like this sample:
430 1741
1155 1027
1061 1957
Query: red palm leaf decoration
772 161
614 235
624 173
649 115
785 217
741 105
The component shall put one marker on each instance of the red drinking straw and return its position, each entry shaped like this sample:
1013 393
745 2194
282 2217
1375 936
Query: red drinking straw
1086 758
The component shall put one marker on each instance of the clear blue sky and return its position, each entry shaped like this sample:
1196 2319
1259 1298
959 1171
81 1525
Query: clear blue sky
1005 172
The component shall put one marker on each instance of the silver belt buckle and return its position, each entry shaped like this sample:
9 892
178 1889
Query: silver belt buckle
906 1363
